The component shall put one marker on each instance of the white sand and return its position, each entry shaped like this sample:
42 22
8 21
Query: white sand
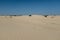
30 28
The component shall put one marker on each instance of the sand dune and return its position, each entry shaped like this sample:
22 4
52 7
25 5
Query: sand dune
34 27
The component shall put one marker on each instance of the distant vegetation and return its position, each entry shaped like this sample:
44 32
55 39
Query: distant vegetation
15 15
30 15
45 15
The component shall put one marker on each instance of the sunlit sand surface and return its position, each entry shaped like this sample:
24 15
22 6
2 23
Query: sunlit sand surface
34 27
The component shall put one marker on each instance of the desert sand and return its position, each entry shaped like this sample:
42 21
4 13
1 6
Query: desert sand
34 27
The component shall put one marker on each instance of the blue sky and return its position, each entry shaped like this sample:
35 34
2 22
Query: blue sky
10 7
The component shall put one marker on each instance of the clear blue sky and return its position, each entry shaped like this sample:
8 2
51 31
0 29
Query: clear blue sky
9 7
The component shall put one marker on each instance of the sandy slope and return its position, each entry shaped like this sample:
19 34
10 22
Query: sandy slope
30 28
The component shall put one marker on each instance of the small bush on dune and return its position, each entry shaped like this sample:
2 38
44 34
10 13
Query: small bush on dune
30 15
45 15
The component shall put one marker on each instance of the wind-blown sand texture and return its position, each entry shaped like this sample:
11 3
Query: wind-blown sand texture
34 27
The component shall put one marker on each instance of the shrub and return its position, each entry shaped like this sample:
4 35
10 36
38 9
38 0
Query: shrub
30 15
45 15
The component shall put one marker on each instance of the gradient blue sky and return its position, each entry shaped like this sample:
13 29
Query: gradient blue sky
10 7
